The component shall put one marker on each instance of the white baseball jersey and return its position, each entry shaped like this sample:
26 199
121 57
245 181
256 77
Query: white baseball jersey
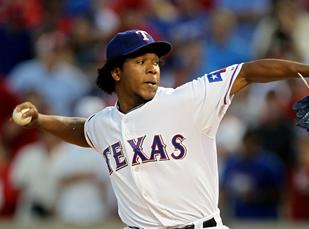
162 156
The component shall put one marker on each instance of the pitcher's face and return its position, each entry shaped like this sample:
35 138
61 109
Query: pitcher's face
140 77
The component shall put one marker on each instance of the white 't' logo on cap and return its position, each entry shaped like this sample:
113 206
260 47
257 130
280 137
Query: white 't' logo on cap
144 34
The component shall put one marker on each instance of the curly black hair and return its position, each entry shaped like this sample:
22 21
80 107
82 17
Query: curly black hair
104 80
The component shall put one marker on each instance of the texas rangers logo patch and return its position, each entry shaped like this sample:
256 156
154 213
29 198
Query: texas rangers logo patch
215 76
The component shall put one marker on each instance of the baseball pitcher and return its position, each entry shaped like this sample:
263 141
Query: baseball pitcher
159 144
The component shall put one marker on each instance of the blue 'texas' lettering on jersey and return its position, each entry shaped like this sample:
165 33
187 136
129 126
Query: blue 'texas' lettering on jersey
158 152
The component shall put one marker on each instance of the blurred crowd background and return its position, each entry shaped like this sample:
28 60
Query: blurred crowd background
50 51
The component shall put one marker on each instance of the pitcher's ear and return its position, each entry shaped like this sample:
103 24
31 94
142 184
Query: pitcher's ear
115 72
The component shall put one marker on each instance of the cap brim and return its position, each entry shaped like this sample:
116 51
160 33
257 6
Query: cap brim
161 48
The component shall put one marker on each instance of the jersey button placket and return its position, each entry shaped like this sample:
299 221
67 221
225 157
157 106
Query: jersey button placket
128 150
124 128
145 195
135 170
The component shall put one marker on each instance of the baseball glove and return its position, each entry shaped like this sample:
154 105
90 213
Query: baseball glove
301 108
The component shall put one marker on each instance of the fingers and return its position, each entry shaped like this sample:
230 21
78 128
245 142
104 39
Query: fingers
25 114
24 105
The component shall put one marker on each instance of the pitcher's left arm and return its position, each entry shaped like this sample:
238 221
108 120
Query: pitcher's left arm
268 70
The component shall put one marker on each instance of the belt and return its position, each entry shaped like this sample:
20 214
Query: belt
208 223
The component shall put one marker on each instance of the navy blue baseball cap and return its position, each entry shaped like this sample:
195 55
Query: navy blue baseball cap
126 44
132 41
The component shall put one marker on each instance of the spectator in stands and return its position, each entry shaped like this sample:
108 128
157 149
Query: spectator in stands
298 188
252 181
8 100
32 176
284 33
15 40
84 194
222 47
277 131
248 14
186 28
29 167
52 74
8 194
11 137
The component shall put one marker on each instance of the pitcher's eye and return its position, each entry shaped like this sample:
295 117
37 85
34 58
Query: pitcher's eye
140 62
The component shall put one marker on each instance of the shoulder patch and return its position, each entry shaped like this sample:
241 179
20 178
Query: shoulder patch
215 76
